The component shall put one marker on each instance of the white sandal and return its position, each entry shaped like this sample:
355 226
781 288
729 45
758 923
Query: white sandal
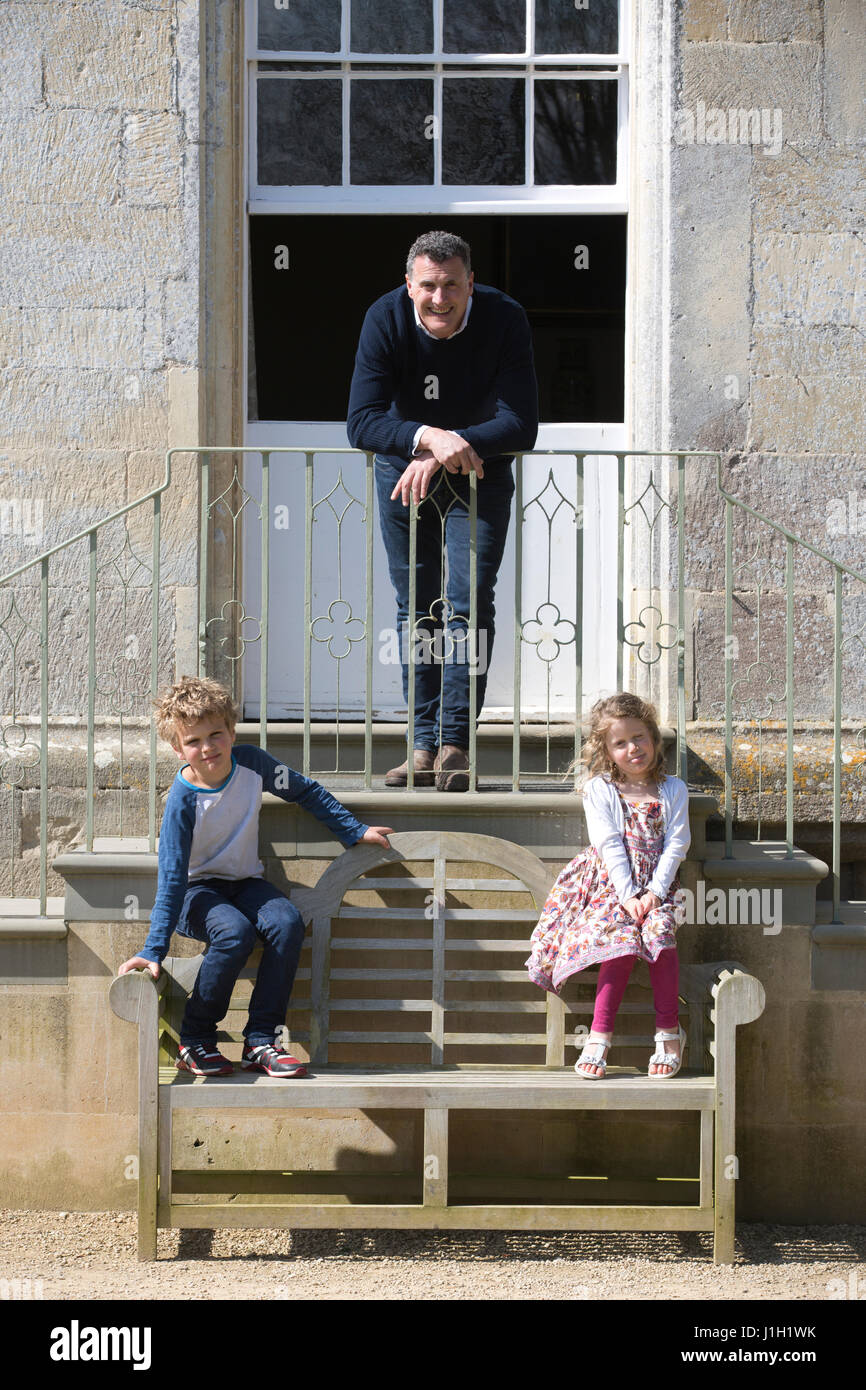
591 1056
666 1059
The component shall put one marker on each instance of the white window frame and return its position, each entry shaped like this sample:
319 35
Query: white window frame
505 199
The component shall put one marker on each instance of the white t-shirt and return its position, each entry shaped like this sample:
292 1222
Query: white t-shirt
418 433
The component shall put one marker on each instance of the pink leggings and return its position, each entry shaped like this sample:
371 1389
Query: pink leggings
613 977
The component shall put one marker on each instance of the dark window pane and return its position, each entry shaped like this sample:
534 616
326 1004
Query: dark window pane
485 26
483 135
575 131
560 28
299 131
576 316
392 26
579 365
392 131
542 256
310 26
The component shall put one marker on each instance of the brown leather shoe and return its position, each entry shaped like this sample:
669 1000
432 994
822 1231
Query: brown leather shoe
424 774
452 769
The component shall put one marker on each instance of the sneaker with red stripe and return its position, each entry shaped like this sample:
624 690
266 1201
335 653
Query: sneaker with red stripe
274 1061
203 1060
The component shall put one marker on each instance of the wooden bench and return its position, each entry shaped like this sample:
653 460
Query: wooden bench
458 1027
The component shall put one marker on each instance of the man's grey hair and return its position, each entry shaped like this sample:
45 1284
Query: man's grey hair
438 247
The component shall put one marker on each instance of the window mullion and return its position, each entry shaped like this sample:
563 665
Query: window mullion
345 91
530 126
346 109
438 103
529 96
253 128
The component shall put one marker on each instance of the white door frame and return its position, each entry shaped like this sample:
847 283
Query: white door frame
600 513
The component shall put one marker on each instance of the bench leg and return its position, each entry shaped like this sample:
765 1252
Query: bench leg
163 1196
148 1131
725 1183
436 1158
706 1162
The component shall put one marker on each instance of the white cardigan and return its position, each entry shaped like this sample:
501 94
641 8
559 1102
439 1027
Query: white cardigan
605 823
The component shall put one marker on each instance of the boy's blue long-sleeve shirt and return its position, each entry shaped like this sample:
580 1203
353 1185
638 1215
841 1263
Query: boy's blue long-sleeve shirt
480 383
215 833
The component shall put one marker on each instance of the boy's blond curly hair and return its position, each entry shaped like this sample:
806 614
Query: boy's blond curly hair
623 705
190 699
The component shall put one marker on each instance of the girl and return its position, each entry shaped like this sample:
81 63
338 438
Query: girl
617 901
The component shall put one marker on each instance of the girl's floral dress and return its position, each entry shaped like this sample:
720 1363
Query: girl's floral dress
583 921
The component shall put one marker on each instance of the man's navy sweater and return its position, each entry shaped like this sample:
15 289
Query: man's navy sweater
479 383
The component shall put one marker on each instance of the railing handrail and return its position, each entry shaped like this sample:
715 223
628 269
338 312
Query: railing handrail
336 449
97 525
783 530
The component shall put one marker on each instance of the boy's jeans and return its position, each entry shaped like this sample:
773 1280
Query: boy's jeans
442 517
233 916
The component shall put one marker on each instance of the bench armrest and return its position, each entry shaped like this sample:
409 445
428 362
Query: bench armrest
135 996
728 981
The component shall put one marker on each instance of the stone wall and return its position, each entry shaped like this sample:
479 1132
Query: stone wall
100 294
767 316
119 172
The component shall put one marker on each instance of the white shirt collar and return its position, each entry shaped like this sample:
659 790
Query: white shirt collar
450 335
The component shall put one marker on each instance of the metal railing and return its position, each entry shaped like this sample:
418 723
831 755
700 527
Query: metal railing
707 668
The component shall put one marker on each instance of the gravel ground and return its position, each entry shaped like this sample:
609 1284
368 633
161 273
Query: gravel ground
92 1255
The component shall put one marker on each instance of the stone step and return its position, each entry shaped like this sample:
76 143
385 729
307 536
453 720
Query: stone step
102 885
21 919
33 949
783 887
839 947
545 750
549 823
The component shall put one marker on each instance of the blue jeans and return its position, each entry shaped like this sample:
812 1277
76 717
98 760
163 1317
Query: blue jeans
233 916
442 664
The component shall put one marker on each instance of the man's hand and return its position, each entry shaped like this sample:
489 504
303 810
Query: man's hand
139 963
415 481
452 451
377 835
635 909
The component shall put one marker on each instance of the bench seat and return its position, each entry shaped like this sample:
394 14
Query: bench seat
412 995
469 1088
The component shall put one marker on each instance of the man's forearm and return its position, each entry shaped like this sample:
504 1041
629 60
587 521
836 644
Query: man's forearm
372 428
507 433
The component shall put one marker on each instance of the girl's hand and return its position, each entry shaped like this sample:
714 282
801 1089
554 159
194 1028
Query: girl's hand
649 901
635 909
139 963
377 835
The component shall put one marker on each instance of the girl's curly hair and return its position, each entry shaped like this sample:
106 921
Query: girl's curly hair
623 705
193 698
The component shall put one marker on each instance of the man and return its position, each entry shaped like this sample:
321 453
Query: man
444 385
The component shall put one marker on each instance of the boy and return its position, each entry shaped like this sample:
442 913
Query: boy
211 882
